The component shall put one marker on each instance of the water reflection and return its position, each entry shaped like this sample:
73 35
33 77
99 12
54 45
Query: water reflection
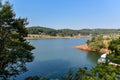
93 56
50 68
54 57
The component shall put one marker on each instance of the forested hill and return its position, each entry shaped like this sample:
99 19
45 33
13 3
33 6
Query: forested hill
69 32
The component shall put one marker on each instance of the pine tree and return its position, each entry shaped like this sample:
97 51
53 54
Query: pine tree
15 51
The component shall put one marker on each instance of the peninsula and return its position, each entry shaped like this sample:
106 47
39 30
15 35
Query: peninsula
99 43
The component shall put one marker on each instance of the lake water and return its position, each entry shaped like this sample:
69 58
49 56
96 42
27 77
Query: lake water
54 57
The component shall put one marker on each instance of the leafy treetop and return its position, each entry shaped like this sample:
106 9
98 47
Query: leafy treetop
15 51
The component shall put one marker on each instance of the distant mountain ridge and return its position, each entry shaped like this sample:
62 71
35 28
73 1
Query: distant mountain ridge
69 32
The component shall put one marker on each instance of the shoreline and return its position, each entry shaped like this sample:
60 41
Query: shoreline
53 37
87 48
83 47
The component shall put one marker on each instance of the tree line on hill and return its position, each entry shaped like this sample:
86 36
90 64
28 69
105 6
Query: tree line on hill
15 51
70 32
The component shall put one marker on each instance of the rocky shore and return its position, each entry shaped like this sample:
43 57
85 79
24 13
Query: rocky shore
84 47
87 48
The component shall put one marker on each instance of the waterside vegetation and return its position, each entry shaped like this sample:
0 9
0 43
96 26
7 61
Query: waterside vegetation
44 32
103 71
15 51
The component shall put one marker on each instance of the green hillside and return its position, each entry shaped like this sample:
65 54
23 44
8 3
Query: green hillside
70 32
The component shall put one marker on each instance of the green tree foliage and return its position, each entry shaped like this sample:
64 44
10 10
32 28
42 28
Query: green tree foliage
41 30
68 76
70 32
115 51
106 72
115 46
100 72
15 51
96 43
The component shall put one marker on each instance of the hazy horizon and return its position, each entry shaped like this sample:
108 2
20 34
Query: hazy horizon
71 28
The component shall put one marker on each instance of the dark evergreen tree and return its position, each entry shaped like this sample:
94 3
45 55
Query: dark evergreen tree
15 51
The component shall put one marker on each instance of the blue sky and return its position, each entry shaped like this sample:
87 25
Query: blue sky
73 14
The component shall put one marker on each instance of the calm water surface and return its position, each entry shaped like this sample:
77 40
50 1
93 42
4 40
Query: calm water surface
54 57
